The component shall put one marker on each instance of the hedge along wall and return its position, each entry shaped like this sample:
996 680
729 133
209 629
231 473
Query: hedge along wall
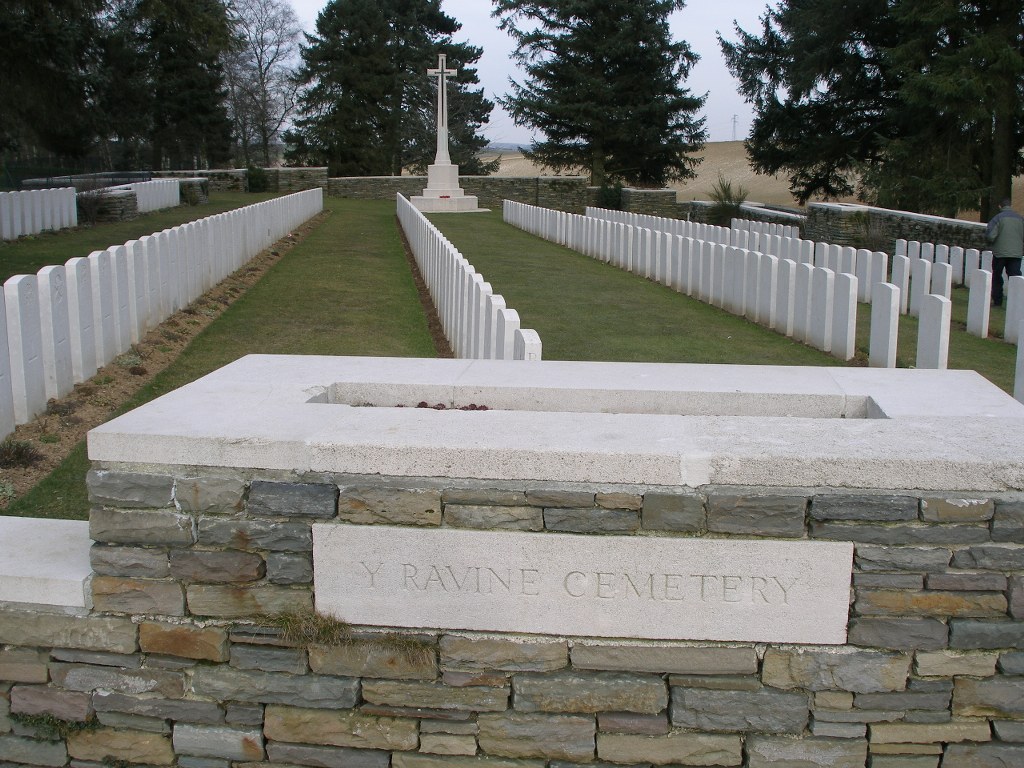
174 662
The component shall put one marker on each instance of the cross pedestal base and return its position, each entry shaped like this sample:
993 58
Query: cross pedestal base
443 193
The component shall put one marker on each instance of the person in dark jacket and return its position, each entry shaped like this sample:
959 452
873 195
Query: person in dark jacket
1006 233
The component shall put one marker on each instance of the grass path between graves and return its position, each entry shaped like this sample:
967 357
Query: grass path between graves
346 289
28 255
586 310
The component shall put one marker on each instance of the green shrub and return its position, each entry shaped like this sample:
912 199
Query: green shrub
610 197
18 453
726 201
258 179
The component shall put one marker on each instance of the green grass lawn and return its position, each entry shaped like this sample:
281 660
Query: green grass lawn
345 290
28 255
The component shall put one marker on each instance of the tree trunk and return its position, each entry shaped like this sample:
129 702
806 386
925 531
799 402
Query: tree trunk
597 171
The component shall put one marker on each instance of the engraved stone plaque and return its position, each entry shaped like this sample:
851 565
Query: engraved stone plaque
594 586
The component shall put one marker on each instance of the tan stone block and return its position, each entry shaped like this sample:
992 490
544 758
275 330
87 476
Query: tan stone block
833 700
397 693
375 660
23 665
660 659
107 744
674 748
950 663
922 733
906 749
419 760
1001 696
389 506
186 641
555 737
447 744
43 700
941 509
856 671
462 653
929 603
88 633
339 728
238 602
619 500
149 596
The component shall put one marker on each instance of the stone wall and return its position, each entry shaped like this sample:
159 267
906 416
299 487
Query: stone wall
221 180
288 180
175 662
880 228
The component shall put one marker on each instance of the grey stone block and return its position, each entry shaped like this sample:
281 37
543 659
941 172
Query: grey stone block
43 700
856 671
522 518
89 633
967 582
683 512
556 498
900 533
134 722
431 695
684 660
135 526
216 567
973 634
591 520
1011 663
904 700
589 692
179 710
757 514
717 682
631 722
992 755
870 557
291 499
562 737
766 710
289 568
1009 730
243 714
927 716
1008 521
133 562
326 757
129 489
879 508
269 659
84 677
992 697
313 691
255 534
996 557
676 748
475 653
768 752
209 494
218 741
22 751
829 730
126 660
1016 595
889 580
491 497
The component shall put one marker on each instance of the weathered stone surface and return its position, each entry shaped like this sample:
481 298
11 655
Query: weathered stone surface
255 534
464 679
414 760
33 628
996 557
950 663
682 512
889 580
864 507
428 695
339 728
465 728
21 751
858 715
447 744
589 692
927 716
717 682
901 533
85 677
134 562
314 691
139 526
672 749
132 746
235 602
184 640
374 660
209 494
367 505
920 695
945 509
1011 663
974 634
1008 521
243 714
870 557
661 659
967 582
133 722
129 489
926 634
179 710
618 500
1016 607
591 520
918 733
23 665
761 515
775 752
289 568
557 737
631 722
126 660
556 498
857 671
463 653
904 761
1009 730
483 496
291 499
326 757
993 697
501 517
983 756
269 659
219 567
764 710
833 700
115 594
829 730
218 741
906 749
894 602
44 700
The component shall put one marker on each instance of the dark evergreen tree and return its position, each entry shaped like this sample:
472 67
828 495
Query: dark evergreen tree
604 84
367 103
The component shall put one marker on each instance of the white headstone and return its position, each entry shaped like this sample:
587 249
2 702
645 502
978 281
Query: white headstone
7 421
802 302
25 339
822 308
1014 308
527 345
978 303
885 318
507 325
972 261
844 317
933 332
56 331
103 304
901 279
81 319
956 261
786 287
768 276
920 283
122 314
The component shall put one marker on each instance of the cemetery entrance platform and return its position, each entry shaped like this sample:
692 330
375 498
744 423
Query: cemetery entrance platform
609 564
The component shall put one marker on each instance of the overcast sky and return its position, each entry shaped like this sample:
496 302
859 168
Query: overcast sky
698 24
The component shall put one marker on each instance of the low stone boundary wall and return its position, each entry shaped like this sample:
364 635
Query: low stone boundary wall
848 224
220 180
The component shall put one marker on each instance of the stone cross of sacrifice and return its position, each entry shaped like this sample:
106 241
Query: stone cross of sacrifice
441 73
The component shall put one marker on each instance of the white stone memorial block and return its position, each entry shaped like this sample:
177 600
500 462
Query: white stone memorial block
718 276
879 272
863 273
986 260
885 328
956 261
1018 380
25 209
505 336
25 340
138 290
942 279
786 287
527 345
103 304
122 314
752 268
920 283
706 271
603 586
6 226
844 317
913 250
941 253
834 258
80 316
972 261
806 251
901 248
768 276
495 304
928 252
901 279
7 422
802 302
56 331
978 303
822 308
1014 308
933 332
847 261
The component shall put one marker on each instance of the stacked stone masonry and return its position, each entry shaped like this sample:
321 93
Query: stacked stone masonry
175 666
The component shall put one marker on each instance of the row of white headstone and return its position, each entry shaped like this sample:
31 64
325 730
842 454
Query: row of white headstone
156 194
37 210
765 228
813 304
475 320
59 326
